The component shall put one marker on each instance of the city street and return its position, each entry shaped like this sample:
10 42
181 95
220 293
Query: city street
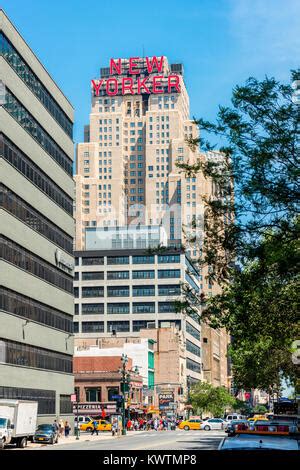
147 440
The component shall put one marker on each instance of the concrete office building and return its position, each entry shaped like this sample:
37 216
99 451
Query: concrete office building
121 292
36 221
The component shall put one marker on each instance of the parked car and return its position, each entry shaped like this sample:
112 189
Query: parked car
46 433
213 423
193 423
231 426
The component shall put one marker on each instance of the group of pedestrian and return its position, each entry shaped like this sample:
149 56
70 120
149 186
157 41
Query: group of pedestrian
62 428
158 424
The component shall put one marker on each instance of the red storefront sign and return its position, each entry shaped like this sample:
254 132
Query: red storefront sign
129 85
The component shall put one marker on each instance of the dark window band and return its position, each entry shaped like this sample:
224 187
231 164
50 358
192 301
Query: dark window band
16 61
24 307
45 398
193 348
192 331
34 219
24 259
30 170
37 132
192 365
19 354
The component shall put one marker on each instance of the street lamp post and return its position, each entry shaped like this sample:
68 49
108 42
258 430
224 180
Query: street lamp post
124 381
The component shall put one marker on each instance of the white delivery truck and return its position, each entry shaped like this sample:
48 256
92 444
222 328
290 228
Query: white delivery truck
17 421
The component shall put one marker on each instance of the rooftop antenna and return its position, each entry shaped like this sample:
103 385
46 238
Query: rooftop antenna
143 51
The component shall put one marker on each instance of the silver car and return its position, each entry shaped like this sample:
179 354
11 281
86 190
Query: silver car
213 423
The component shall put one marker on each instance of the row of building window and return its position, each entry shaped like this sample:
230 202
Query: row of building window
31 171
124 307
12 56
31 263
119 291
163 290
19 354
162 259
37 132
120 326
25 307
34 219
45 398
120 275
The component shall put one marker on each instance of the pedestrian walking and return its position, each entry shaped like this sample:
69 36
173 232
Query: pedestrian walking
61 427
114 428
156 424
95 428
129 424
67 429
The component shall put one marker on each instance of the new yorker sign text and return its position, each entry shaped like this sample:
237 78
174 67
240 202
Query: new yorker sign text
153 81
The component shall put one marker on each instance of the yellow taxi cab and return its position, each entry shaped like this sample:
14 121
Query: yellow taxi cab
192 423
258 418
102 425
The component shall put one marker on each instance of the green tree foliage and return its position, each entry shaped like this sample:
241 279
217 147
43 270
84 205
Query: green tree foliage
214 400
252 229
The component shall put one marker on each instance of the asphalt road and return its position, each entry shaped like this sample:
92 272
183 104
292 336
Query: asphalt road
150 440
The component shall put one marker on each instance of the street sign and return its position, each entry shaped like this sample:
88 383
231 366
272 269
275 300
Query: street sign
117 397
73 397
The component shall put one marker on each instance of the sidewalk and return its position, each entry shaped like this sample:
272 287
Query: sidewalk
84 437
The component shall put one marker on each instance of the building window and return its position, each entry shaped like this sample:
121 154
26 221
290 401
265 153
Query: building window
92 276
19 354
31 171
143 307
27 121
117 275
92 309
143 259
118 291
34 219
192 331
45 398
65 405
93 291
137 325
143 291
166 307
24 259
192 348
169 289
192 365
92 327
148 274
92 261
118 326
19 65
111 392
25 307
168 273
169 258
93 394
116 308
118 260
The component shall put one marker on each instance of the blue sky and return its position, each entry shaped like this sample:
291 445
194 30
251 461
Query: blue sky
220 42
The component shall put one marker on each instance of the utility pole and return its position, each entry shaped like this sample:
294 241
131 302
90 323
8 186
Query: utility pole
124 382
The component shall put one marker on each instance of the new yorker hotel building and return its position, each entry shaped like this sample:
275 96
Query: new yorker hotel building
36 240
126 168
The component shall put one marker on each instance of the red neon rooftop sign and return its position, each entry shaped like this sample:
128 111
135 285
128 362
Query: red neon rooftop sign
136 85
